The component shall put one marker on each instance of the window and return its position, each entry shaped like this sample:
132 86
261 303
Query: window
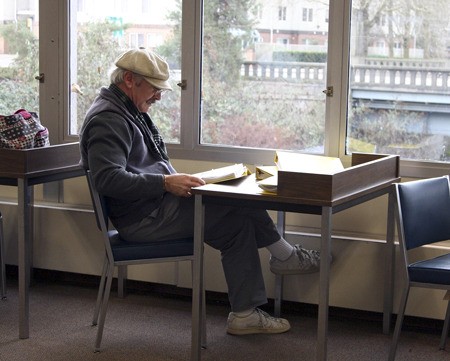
146 6
382 20
81 6
136 40
283 41
307 14
101 33
282 13
257 12
251 83
398 93
19 59
261 95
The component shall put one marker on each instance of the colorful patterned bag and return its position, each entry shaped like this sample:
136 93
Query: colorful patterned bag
22 130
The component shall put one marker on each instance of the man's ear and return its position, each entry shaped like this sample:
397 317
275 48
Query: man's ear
128 79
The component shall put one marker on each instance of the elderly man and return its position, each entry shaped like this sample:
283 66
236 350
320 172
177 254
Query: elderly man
149 200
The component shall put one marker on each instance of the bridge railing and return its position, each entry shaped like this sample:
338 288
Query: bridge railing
291 71
361 76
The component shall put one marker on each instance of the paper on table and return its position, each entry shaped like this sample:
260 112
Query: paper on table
223 174
269 184
307 163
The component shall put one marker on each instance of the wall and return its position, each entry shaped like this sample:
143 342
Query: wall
66 239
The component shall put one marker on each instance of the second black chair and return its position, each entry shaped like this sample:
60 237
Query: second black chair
423 218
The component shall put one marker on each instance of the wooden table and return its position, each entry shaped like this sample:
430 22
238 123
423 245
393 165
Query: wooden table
24 169
369 177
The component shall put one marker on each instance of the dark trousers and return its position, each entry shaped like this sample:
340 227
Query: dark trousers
237 232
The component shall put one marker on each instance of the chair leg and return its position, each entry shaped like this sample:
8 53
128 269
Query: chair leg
122 275
2 261
100 294
204 344
446 327
398 324
104 307
278 295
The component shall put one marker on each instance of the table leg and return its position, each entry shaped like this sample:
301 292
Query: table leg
390 264
281 227
25 224
197 287
2 261
324 283
278 295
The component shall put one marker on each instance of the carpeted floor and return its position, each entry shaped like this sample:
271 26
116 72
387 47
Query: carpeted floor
157 328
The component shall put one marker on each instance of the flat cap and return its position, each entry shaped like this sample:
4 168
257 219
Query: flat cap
150 65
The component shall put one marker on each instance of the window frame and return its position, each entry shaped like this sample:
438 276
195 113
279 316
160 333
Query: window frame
54 63
55 91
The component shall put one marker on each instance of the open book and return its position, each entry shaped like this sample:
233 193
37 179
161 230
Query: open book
223 174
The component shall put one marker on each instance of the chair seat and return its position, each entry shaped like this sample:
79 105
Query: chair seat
435 270
127 251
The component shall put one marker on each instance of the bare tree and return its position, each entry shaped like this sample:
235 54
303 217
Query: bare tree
367 15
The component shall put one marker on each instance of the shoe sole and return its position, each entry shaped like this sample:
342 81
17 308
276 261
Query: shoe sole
254 331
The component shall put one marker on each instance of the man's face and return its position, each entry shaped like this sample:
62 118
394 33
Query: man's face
143 94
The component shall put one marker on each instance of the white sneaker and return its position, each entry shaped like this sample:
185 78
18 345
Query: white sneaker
257 322
301 261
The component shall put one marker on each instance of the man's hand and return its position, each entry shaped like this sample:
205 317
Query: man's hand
180 184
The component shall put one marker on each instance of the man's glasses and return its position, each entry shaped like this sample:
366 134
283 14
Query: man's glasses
159 92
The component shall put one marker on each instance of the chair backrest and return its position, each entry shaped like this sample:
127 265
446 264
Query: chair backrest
423 208
98 202
101 214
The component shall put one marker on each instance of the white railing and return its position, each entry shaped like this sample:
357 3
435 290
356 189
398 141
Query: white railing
411 78
283 70
361 76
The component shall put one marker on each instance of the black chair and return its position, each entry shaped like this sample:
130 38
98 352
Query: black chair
423 218
122 254
2 262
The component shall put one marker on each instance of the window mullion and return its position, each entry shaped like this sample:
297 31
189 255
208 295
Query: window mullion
337 78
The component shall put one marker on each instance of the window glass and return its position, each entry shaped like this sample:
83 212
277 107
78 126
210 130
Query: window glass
399 78
263 73
19 57
102 29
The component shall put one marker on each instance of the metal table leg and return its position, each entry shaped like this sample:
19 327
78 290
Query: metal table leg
324 283
390 265
197 287
25 227
281 226
2 261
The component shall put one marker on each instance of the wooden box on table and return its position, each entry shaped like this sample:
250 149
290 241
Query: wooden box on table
35 162
367 171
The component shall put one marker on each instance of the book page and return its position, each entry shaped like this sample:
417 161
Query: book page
223 174
265 171
269 184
